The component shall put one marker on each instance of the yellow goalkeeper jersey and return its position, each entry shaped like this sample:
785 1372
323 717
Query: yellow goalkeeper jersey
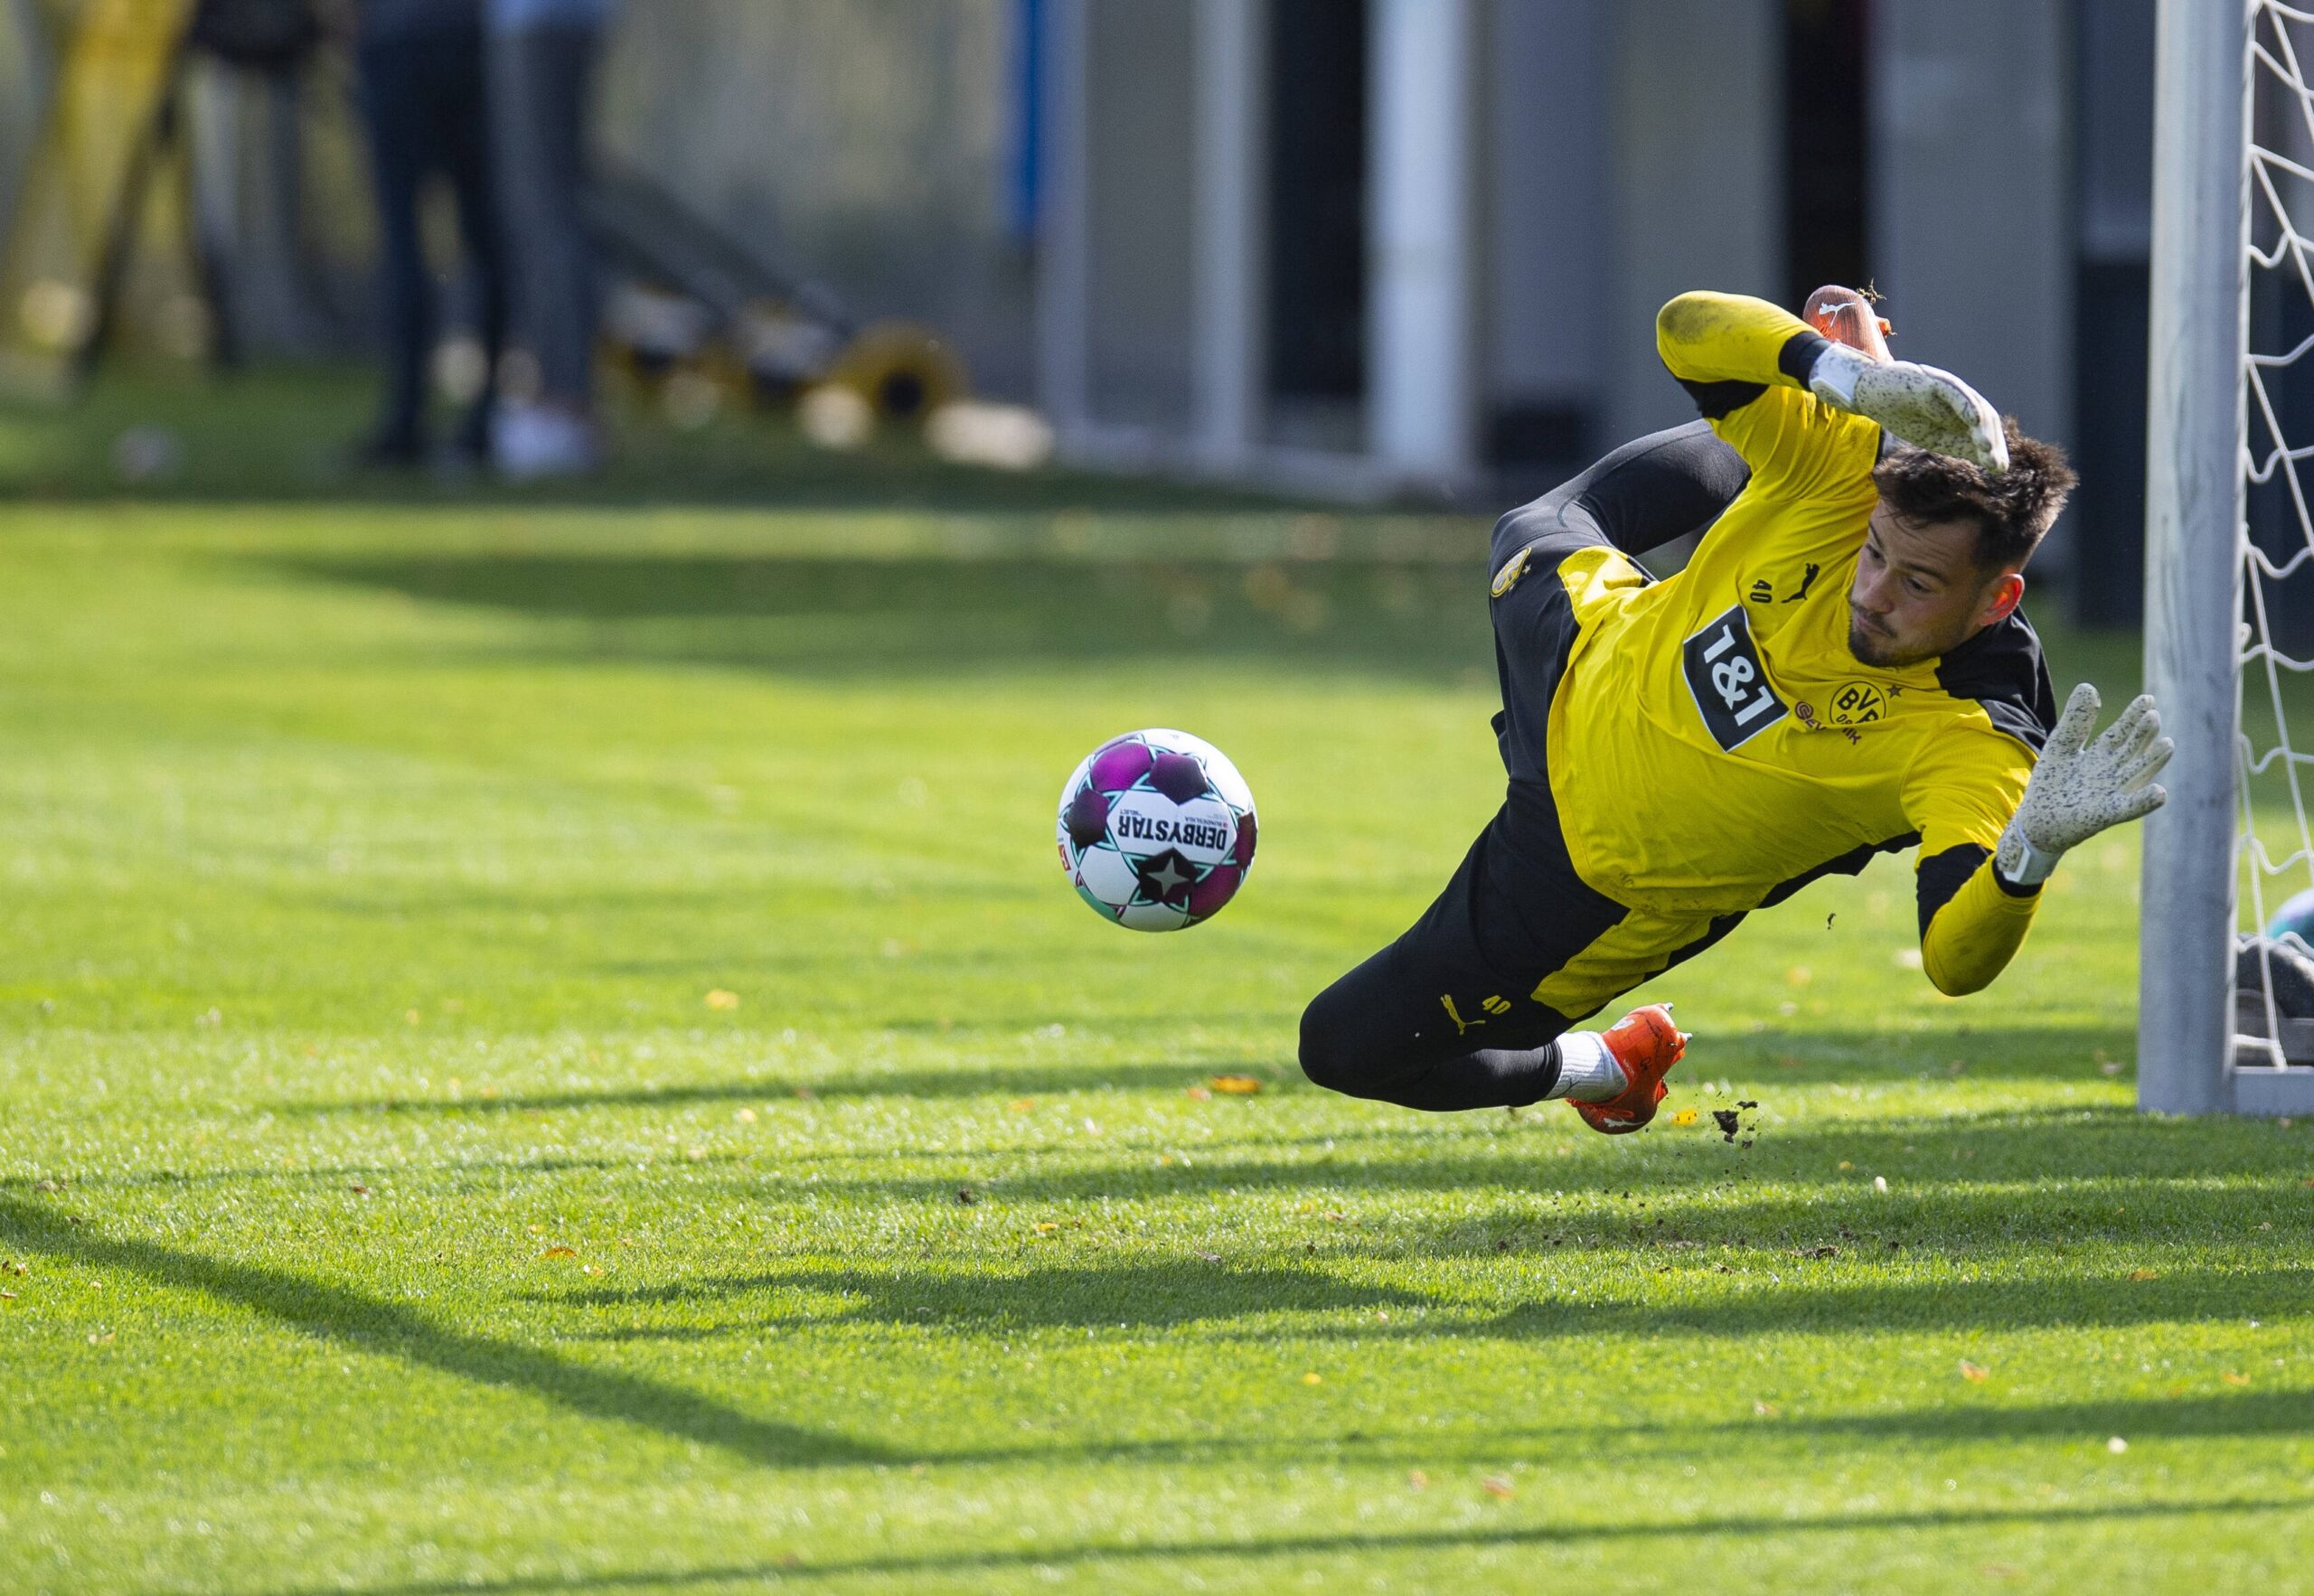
1714 742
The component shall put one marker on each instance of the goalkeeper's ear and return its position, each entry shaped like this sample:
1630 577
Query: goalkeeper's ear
2005 592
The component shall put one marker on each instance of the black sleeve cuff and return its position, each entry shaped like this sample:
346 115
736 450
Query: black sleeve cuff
1943 877
1797 358
2015 888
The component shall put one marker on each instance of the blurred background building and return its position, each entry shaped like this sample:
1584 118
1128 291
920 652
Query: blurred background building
1423 240
1353 246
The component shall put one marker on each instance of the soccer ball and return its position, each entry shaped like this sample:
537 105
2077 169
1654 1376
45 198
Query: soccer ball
1156 829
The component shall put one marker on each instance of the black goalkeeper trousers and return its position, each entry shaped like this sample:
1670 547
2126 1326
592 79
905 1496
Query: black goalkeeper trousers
1364 1037
1445 1016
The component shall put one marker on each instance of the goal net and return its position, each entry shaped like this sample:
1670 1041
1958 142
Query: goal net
2226 1005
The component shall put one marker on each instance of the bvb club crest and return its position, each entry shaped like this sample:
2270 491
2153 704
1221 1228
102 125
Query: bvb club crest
1858 703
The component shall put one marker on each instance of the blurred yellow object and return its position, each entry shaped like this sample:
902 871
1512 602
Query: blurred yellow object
88 185
903 370
58 315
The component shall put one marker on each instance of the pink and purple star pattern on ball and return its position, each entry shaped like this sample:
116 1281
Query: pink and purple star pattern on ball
1156 829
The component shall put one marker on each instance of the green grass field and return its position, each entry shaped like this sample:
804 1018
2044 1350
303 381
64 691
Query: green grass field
387 1206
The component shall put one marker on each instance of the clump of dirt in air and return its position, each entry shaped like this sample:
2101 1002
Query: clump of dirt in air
1732 1124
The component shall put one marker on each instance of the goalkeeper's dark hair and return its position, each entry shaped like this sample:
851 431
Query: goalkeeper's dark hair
2012 511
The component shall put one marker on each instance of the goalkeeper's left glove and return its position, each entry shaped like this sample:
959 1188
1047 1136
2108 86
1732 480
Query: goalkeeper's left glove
2080 787
1929 408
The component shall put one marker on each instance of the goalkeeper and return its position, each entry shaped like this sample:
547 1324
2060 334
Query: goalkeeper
1840 670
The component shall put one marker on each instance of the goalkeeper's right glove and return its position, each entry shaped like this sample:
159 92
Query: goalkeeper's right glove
2080 787
1923 407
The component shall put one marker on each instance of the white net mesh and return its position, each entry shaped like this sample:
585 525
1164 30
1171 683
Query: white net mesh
2276 845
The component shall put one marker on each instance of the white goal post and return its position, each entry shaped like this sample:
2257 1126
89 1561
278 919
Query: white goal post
2226 206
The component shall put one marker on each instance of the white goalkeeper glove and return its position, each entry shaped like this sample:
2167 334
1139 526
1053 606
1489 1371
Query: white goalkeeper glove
2080 787
1926 408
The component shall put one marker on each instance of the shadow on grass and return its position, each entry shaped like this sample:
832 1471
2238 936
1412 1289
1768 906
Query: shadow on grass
993 1563
1803 1305
937 616
374 1325
2247 1412
1613 1443
1961 1170
1823 1057
1809 1299
962 1081
1071 1296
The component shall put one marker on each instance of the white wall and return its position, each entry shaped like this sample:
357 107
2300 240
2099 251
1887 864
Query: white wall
1546 191
1696 185
1972 226
1422 218
1143 164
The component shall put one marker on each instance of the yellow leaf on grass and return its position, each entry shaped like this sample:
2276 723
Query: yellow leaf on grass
1686 1116
1047 1227
1236 1085
719 999
560 1253
1313 1378
1973 1372
2231 1378
2143 1274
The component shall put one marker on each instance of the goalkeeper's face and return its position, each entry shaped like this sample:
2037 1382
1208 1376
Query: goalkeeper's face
1919 591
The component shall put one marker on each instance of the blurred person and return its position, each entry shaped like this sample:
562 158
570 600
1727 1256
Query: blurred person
544 55
425 104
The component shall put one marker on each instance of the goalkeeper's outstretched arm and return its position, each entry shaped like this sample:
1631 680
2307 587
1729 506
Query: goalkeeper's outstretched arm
1728 349
1976 907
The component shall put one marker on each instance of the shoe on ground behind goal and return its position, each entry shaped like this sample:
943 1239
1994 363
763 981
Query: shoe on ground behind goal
1647 1045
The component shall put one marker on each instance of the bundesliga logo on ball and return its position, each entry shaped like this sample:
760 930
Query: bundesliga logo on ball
1156 829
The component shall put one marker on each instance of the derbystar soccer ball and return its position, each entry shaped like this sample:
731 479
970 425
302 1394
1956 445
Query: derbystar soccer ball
1156 829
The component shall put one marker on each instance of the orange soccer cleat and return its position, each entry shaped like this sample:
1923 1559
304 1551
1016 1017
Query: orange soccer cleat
1846 317
1647 1045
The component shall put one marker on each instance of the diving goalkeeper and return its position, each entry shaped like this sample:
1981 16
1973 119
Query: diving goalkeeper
1840 670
